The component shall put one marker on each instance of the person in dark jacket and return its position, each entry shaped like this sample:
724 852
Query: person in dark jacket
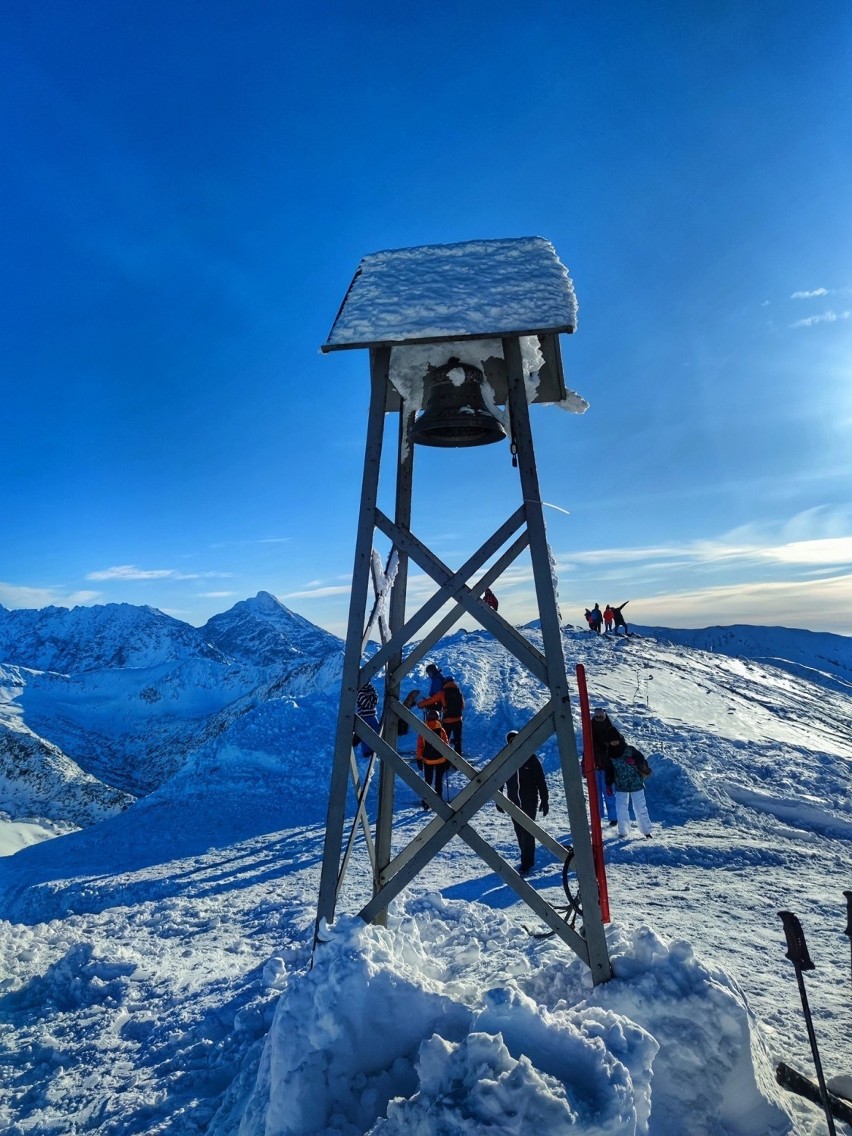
622 775
596 619
449 700
618 618
602 729
528 790
490 599
436 679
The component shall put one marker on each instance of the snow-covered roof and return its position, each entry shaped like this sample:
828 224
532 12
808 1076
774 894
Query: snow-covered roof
473 289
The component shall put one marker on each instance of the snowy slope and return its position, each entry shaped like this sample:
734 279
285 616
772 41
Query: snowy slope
800 652
157 962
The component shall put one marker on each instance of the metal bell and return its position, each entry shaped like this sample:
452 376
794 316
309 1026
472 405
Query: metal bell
454 411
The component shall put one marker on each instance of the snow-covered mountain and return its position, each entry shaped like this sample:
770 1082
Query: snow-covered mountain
38 782
263 632
95 638
127 694
157 963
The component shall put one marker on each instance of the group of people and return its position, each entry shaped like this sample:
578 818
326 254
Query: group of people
620 772
610 619
620 769
443 709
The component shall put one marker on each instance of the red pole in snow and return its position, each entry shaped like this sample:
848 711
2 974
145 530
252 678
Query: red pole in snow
591 784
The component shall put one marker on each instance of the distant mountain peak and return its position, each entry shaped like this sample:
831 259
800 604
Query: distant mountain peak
265 601
262 631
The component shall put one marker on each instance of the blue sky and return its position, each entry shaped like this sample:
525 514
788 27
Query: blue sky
190 187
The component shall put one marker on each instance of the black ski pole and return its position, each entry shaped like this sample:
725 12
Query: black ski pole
848 931
797 953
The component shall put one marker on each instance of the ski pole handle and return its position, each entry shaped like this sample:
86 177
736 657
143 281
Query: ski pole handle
797 948
848 931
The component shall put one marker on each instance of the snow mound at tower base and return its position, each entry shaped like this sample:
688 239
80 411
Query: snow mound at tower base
455 1020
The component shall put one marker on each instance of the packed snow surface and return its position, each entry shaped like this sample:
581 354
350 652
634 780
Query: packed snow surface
155 966
473 288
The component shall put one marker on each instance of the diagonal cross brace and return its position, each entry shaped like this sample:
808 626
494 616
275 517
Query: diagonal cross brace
360 816
470 771
445 826
449 621
453 586
478 792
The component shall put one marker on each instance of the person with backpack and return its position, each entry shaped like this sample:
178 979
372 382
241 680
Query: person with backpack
596 619
366 704
618 618
433 763
490 599
602 729
450 701
528 790
624 775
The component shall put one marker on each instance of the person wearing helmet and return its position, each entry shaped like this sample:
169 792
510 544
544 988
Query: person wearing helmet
429 759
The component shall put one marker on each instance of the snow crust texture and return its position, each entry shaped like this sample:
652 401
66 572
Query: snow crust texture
449 1022
155 957
474 288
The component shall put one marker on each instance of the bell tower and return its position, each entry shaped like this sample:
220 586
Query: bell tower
463 339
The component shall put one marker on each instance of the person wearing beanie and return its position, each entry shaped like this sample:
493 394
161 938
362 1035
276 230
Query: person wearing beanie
623 762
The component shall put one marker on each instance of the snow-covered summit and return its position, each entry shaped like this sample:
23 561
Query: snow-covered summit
263 632
819 655
95 638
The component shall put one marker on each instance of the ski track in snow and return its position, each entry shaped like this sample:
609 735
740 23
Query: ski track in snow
142 958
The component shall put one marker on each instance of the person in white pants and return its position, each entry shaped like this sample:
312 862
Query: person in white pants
622 775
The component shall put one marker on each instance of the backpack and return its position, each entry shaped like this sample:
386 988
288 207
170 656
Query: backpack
642 765
453 701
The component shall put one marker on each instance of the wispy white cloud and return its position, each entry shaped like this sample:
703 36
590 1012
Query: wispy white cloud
825 317
131 572
832 550
257 540
824 605
809 295
15 596
813 537
216 595
318 593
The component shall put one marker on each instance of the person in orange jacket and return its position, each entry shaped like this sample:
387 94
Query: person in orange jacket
609 616
450 701
433 763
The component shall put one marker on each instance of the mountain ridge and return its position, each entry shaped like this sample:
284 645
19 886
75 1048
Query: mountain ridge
130 729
